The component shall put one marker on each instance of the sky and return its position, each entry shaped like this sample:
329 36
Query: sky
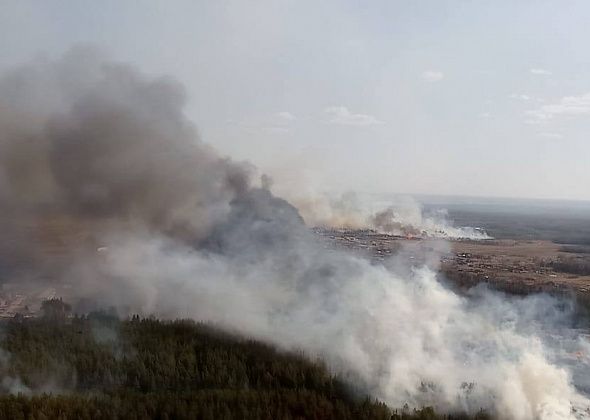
477 98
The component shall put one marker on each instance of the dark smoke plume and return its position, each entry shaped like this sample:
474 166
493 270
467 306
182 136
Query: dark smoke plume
93 144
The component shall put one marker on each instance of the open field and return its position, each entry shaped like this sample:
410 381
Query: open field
517 266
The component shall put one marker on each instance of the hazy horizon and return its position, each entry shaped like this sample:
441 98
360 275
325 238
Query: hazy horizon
434 97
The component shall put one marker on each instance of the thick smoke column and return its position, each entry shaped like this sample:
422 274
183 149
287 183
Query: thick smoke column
104 159
91 140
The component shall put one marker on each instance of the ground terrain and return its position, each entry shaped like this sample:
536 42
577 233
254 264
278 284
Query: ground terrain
518 266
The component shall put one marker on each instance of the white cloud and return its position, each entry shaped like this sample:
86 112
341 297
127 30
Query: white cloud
485 115
540 72
432 76
520 96
547 135
341 115
286 116
567 106
276 130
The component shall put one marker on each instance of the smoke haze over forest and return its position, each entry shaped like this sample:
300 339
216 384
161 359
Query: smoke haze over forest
174 229
302 175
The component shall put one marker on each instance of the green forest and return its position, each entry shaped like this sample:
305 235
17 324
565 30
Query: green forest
99 367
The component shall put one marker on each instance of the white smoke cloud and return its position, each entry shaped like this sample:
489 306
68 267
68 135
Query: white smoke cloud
407 217
407 340
402 216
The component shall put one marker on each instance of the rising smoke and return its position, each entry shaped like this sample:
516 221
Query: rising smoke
400 215
407 218
100 163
